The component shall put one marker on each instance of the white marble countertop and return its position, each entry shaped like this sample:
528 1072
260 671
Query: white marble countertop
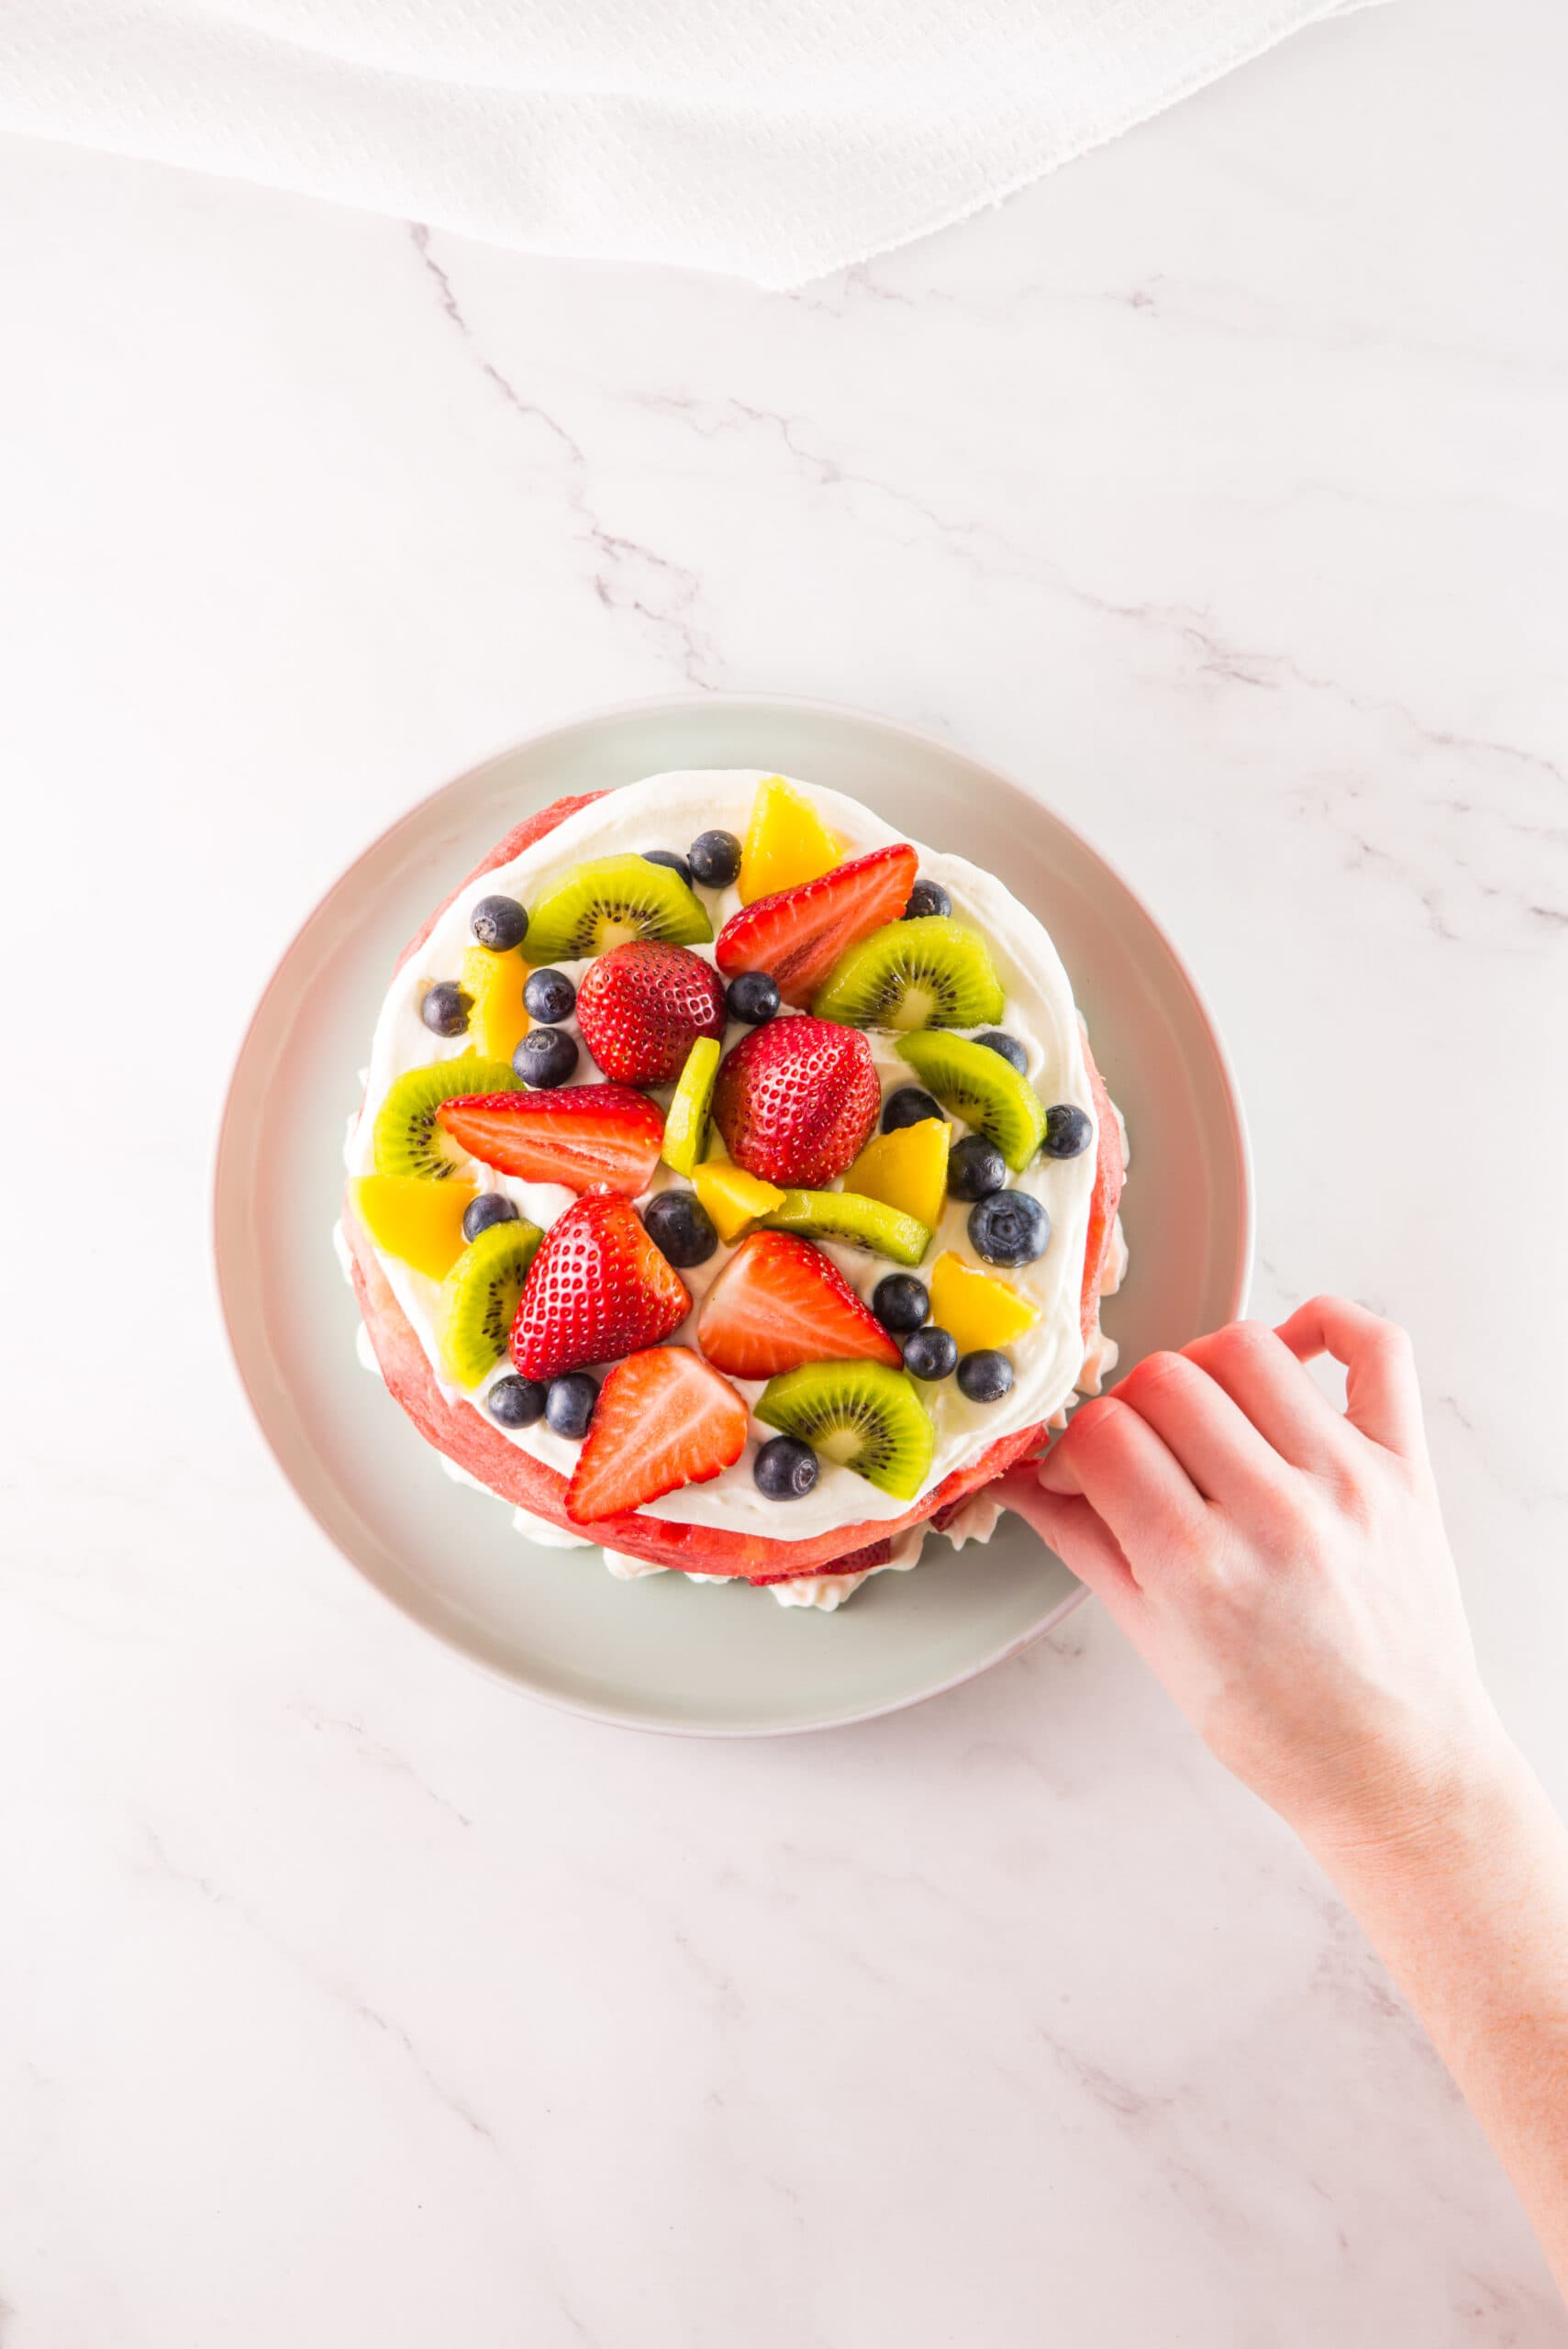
1218 484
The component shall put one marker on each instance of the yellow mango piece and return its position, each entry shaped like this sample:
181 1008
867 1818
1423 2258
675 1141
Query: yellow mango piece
978 1310
906 1169
786 842
417 1221
497 1023
732 1198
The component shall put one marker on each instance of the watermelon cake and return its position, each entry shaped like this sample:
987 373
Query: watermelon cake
733 1190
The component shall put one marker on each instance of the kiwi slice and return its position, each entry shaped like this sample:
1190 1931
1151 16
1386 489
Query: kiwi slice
929 973
861 1415
686 1121
407 1138
479 1298
851 1216
608 902
983 1088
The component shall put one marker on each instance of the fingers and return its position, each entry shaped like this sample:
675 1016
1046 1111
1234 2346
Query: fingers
1382 1398
1208 1431
1132 1481
1068 1525
1266 1382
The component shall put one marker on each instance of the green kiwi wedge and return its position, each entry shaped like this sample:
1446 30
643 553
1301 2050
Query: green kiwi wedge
686 1121
860 1414
978 1085
929 973
407 1138
479 1298
849 1215
608 902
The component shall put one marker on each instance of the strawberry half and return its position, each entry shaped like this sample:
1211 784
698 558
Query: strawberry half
797 935
642 1007
598 1289
796 1100
663 1418
780 1302
583 1135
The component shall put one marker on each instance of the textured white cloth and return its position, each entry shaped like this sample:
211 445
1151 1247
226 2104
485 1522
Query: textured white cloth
774 139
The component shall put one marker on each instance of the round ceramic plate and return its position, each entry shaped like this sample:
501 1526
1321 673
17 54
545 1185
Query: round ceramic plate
662 1654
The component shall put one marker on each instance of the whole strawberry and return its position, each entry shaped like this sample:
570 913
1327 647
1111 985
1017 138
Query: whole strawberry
796 1100
642 1007
598 1289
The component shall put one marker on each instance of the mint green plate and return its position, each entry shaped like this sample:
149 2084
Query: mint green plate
662 1653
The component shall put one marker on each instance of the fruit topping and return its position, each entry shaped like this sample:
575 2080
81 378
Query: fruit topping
861 1415
908 1106
569 1404
980 1087
680 1227
985 1376
546 1058
514 1402
732 1198
610 900
906 1169
1068 1130
445 1008
407 1138
686 1121
927 897
1010 1228
490 1207
799 934
901 1303
667 856
479 1298
585 1136
642 1007
858 1222
420 1222
599 1288
996 1040
753 998
931 1353
796 1100
780 1302
786 842
549 997
664 1419
783 1468
975 1168
499 923
925 973
715 859
981 1312
493 983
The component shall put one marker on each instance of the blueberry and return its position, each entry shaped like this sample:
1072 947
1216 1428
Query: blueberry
715 859
490 1207
549 996
997 1040
569 1404
975 1168
900 1302
446 1007
985 1376
680 1228
1067 1132
930 1352
783 1468
499 923
927 897
908 1107
1010 1228
753 998
515 1402
667 856
546 1057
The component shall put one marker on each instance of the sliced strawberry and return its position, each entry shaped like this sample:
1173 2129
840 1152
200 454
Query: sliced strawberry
642 1007
598 1289
585 1136
780 1302
797 935
795 1100
1110 1173
663 1418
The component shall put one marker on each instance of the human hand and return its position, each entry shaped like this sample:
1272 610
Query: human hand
1283 1567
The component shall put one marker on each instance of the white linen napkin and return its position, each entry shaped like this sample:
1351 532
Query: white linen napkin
774 139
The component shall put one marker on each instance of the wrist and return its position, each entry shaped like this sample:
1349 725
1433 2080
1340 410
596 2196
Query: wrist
1423 1806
